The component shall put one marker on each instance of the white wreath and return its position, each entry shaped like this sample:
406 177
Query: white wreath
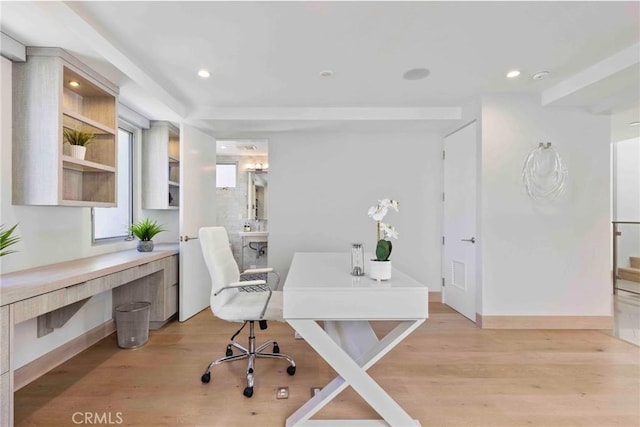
543 174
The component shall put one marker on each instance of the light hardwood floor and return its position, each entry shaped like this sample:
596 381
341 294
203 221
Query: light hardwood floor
447 373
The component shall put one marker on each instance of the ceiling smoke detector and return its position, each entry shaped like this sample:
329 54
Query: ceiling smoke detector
541 75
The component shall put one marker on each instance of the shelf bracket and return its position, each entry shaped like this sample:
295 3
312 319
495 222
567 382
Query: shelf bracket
57 318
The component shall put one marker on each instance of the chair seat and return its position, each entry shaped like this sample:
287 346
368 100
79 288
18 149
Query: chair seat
248 306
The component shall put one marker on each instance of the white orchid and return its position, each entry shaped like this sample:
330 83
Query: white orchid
387 231
379 211
384 231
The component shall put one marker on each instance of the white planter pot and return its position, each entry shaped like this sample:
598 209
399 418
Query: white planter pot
77 151
379 270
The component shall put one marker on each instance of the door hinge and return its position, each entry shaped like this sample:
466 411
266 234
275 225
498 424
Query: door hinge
442 154
443 240
443 196
443 282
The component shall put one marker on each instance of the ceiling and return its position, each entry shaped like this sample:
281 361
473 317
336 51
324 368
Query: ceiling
266 57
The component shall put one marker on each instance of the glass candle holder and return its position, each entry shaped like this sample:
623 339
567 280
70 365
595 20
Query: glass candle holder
357 259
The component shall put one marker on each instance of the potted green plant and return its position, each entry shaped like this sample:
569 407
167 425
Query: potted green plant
7 239
145 230
76 142
380 267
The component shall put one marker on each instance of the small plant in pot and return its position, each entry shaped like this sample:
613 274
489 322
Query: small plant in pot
77 142
145 230
380 267
7 239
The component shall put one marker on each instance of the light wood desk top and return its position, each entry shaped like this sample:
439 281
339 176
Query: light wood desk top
24 284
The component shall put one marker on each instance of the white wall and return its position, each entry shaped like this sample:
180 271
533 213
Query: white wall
49 235
322 184
544 260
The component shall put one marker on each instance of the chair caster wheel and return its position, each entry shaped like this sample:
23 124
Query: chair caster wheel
229 351
291 370
248 391
206 377
276 348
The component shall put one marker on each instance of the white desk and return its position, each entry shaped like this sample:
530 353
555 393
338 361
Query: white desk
319 286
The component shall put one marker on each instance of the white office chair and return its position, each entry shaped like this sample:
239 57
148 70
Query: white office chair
236 301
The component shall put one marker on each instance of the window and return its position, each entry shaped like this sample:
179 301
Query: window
112 223
226 175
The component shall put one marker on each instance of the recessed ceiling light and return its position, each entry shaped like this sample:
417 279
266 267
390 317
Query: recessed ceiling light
513 74
73 83
326 73
541 75
634 124
416 74
204 73
224 147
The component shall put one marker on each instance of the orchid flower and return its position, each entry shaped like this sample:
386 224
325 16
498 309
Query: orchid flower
387 231
384 231
379 211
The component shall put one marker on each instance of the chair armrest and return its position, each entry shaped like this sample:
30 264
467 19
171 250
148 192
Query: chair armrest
250 286
247 286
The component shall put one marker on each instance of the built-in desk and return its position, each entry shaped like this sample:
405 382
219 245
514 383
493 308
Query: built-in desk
53 293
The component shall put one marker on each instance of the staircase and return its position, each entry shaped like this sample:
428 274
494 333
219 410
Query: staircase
631 273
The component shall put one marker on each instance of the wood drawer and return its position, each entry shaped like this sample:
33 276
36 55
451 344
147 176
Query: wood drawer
171 301
4 340
34 307
170 265
6 399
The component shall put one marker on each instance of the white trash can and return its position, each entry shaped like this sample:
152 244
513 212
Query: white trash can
132 324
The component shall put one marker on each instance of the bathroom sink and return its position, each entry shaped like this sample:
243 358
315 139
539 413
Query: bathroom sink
262 234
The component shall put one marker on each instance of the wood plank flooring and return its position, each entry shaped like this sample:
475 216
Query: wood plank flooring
447 373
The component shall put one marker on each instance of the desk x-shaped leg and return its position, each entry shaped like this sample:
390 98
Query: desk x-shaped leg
350 348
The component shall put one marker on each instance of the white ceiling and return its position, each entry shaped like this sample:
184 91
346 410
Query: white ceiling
265 58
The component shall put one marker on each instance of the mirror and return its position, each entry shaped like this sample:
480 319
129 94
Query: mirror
258 195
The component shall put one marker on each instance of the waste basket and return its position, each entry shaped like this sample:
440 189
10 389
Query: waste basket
132 324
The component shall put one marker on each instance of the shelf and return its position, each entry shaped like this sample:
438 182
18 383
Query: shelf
173 159
85 165
81 203
87 121
174 184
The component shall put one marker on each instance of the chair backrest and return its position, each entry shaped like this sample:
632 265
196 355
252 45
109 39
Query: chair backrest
220 262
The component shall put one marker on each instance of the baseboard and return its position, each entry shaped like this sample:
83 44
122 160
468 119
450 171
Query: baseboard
544 322
40 366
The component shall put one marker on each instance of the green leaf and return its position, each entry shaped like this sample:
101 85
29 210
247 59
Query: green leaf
383 250
6 239
76 137
146 229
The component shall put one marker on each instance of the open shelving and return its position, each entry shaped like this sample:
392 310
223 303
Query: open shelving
55 91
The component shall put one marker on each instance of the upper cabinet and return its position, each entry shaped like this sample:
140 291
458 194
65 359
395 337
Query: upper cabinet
161 166
53 92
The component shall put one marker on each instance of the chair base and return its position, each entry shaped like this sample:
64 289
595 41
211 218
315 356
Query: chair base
251 353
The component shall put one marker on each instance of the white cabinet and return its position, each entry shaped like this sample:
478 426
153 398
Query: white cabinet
161 166
53 91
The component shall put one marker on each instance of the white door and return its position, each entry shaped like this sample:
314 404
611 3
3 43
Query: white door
459 221
197 209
